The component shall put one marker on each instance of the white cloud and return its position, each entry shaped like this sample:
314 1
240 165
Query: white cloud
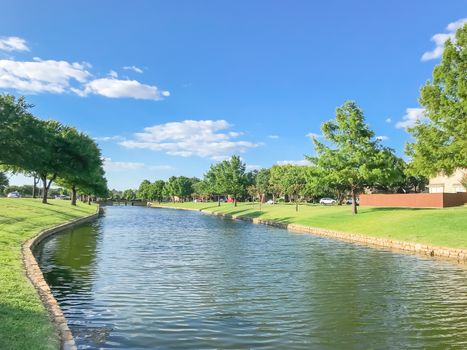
51 76
382 138
110 165
109 138
293 162
274 137
251 167
388 120
312 135
134 69
116 88
440 38
42 76
412 116
13 43
188 138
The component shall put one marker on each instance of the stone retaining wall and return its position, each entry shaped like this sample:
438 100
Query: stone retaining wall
36 277
460 255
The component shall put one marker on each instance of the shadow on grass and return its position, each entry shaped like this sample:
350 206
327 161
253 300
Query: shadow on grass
365 210
21 328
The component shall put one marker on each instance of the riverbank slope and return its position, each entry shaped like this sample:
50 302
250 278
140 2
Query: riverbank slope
24 321
435 227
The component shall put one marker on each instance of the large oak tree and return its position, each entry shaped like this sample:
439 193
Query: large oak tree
441 141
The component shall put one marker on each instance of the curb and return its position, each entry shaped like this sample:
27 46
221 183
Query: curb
460 255
34 274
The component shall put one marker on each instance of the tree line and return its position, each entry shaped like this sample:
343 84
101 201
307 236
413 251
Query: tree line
349 158
49 151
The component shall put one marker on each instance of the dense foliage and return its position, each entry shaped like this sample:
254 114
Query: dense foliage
48 150
441 141
350 156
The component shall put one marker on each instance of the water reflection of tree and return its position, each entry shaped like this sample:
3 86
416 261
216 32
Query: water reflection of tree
68 259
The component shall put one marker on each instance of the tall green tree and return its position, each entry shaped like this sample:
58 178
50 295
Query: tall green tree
229 177
202 189
83 164
441 142
276 180
18 133
129 194
262 185
3 182
155 191
289 180
351 156
144 190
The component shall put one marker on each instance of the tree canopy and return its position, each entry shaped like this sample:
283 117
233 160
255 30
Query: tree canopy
350 156
440 142
49 150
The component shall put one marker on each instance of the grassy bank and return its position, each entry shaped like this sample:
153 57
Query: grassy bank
24 323
439 227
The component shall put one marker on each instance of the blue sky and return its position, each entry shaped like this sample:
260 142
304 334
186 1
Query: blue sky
168 87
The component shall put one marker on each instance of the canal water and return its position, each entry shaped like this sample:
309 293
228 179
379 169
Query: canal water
140 278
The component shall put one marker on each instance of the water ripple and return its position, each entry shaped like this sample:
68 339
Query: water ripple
142 278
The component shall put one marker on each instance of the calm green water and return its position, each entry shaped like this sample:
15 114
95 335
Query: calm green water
142 278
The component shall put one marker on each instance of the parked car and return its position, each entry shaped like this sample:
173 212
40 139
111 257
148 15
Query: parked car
14 194
62 196
349 201
327 201
270 202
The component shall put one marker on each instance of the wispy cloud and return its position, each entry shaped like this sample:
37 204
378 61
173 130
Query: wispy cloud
440 38
13 43
411 117
110 165
109 138
251 167
382 138
274 137
134 69
388 120
202 138
313 135
302 162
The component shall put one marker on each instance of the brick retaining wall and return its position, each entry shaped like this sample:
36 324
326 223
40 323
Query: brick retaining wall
414 200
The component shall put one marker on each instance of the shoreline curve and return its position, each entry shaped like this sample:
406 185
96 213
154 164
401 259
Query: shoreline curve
35 276
446 253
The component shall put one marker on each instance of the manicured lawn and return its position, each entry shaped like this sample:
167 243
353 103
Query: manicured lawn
439 227
24 322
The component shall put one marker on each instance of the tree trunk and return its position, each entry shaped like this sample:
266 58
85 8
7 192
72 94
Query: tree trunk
73 195
45 190
89 200
235 202
354 202
34 187
218 201
296 205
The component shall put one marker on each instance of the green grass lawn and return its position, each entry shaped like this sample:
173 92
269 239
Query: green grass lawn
439 227
24 322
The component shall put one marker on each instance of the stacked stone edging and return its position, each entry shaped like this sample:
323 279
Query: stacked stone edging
460 255
36 277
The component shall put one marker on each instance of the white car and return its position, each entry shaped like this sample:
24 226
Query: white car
270 202
14 195
327 201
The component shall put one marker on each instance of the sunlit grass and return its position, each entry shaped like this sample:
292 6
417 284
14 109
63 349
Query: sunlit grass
24 322
440 227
